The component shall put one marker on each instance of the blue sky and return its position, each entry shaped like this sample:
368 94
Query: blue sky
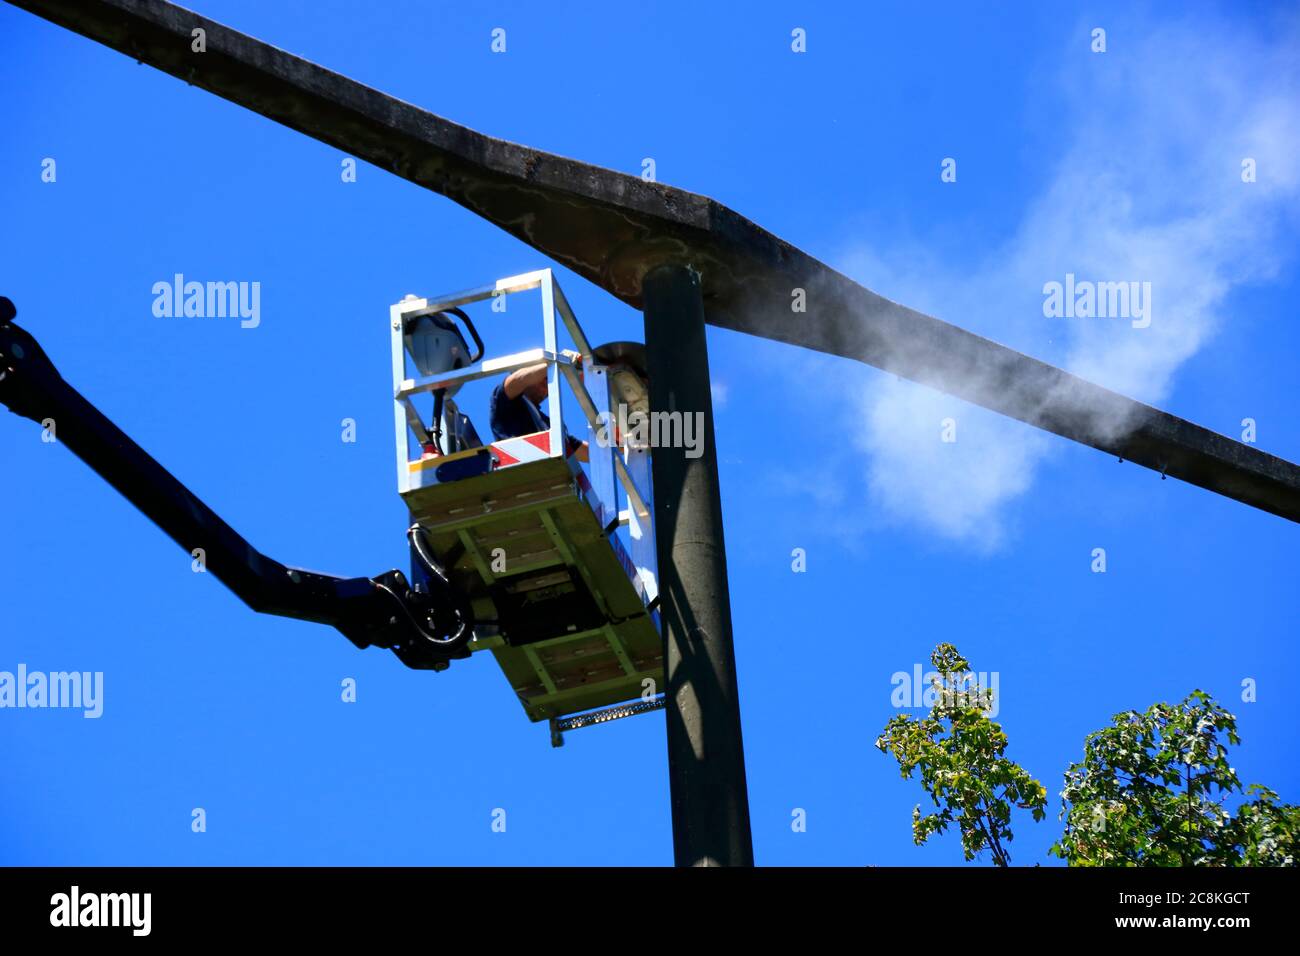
1123 165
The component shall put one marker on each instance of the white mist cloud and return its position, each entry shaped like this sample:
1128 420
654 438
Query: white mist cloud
1147 188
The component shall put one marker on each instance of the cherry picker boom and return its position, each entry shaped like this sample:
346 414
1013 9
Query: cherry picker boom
424 622
515 546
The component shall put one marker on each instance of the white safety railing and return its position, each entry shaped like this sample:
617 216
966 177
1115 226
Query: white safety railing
618 472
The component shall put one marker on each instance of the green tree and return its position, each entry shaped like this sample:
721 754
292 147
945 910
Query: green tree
1264 832
1151 788
960 754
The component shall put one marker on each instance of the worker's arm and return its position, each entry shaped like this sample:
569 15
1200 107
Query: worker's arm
523 380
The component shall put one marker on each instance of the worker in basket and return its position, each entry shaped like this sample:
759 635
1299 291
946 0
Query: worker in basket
516 405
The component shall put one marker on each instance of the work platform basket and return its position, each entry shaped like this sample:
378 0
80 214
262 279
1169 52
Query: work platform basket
557 558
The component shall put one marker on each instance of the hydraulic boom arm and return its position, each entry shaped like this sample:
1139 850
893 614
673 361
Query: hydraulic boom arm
425 624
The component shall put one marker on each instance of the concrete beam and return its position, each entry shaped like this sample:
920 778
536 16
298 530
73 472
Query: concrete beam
612 229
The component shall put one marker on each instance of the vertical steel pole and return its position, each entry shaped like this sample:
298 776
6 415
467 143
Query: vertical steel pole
706 757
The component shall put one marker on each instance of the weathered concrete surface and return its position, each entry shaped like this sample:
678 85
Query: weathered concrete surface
706 755
612 228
